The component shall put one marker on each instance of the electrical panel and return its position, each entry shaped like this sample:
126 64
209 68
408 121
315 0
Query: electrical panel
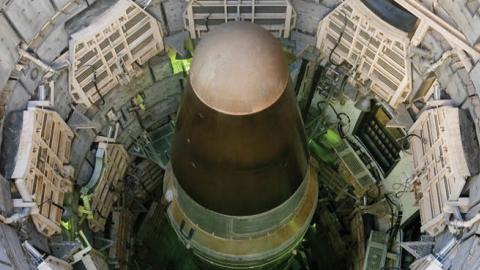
376 251
354 164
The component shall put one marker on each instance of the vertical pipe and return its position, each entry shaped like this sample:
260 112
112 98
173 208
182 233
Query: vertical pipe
316 78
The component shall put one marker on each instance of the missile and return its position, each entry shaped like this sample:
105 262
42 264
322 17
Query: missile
240 185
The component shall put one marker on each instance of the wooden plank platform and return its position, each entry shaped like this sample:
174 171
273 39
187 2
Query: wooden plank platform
441 161
147 176
121 233
110 50
277 16
376 51
105 195
42 161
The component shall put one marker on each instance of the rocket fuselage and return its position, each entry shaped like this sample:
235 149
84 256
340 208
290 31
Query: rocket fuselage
241 188
239 164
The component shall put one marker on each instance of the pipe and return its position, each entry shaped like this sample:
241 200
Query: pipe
437 92
464 223
36 255
110 132
62 65
19 203
440 256
22 50
456 213
15 217
146 3
97 171
458 222
468 234
42 92
434 66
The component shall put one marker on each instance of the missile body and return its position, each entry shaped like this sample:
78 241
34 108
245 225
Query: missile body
240 186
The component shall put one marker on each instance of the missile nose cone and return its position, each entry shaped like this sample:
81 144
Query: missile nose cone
239 69
239 146
240 186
